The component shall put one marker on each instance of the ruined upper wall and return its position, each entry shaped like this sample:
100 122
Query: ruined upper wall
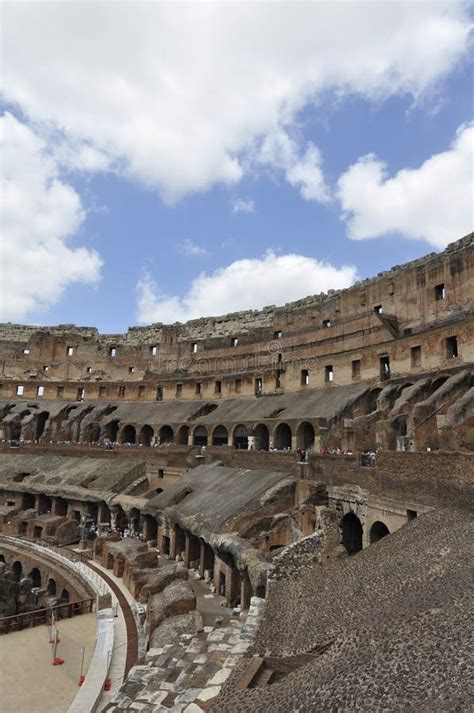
344 302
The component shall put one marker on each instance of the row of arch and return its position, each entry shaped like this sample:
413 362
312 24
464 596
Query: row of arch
36 580
242 436
352 533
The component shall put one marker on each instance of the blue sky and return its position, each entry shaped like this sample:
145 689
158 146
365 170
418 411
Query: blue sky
130 223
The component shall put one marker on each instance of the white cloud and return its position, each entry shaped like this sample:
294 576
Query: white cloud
39 212
432 202
243 205
181 96
191 249
244 284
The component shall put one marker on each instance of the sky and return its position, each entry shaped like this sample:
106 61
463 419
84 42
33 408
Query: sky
168 161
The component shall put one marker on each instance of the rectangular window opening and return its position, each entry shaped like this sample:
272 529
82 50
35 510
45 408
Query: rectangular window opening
415 356
258 386
45 368
235 341
131 369
238 386
194 348
40 391
355 369
113 351
328 374
70 351
326 323
60 392
440 292
159 393
198 388
26 351
102 391
80 394
179 389
278 334
452 347
384 368
218 387
20 390
121 391
304 377
153 351
378 309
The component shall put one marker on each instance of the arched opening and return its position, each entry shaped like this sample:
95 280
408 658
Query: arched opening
111 431
146 436
121 520
27 501
51 588
60 507
2 558
241 437
35 576
17 570
15 431
165 434
305 436
64 596
92 434
129 434
135 520
262 437
351 533
44 504
220 436
377 531
260 591
182 437
150 528
200 436
40 424
372 400
282 438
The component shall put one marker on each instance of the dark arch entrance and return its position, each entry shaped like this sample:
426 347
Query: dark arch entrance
351 533
64 596
305 435
220 436
183 436
17 570
146 435
51 589
27 501
40 424
165 434
92 433
377 531
241 437
129 434
111 431
262 437
35 577
282 439
200 436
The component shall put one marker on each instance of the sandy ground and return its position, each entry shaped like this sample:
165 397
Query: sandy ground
29 683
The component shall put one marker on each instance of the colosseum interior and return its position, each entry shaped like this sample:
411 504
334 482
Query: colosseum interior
278 501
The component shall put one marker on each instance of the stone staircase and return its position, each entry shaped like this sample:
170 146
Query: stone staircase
187 675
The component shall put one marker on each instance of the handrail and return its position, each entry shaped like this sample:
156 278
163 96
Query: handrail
35 617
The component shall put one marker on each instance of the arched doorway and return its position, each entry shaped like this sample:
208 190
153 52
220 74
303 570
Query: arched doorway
51 588
17 570
165 434
92 434
262 437
27 501
182 437
200 436
111 431
146 436
129 434
241 437
305 435
40 424
65 596
282 438
351 533
35 576
44 504
378 531
60 507
220 436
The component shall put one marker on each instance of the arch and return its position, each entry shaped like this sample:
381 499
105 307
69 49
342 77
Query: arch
27 501
166 434
182 437
262 437
240 437
2 558
129 434
200 436
15 431
378 530
65 596
150 527
44 504
40 424
51 588
351 528
146 435
282 437
305 435
220 436
35 576
92 433
60 506
121 519
17 569
372 400
111 430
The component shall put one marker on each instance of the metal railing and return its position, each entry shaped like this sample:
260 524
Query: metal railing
37 617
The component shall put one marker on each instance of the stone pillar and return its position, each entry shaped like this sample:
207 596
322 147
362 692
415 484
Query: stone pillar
271 442
202 558
172 535
245 593
294 443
